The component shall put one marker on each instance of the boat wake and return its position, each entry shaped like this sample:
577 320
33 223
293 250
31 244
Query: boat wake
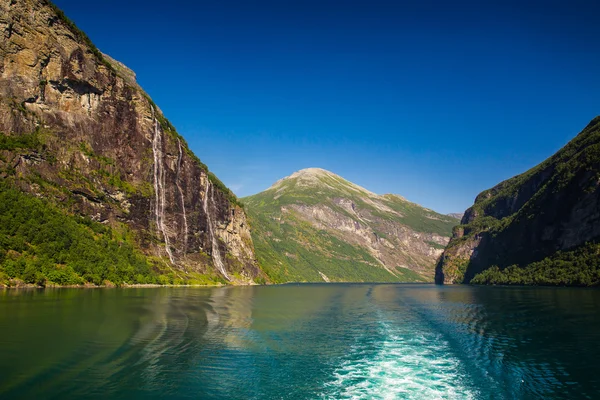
399 363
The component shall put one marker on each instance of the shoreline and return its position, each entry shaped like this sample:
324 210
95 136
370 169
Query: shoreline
29 286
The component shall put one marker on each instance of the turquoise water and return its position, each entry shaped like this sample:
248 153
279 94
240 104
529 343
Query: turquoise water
301 342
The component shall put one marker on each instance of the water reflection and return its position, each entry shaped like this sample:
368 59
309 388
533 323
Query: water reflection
300 341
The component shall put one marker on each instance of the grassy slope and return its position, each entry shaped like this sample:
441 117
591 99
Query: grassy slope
295 251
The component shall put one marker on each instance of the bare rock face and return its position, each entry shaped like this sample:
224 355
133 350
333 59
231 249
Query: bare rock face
456 215
554 207
108 152
314 224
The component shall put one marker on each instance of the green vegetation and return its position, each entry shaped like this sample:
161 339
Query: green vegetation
17 142
408 275
436 245
418 218
410 214
41 245
296 252
109 174
578 267
38 243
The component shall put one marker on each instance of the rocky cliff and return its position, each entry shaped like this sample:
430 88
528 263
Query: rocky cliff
316 226
540 227
93 143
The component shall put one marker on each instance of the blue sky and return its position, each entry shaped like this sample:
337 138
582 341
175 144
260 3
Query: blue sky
432 100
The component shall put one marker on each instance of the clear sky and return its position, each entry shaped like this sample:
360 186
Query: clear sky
432 100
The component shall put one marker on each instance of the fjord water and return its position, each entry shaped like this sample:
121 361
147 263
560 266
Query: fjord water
301 342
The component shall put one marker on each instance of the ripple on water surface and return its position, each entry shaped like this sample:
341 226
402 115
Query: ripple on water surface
301 342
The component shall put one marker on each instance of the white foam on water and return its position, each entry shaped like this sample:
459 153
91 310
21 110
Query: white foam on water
403 365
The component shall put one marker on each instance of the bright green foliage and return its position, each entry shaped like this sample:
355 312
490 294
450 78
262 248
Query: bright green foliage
16 142
579 267
38 243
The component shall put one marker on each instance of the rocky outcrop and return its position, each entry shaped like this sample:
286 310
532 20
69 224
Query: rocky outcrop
310 223
106 151
554 207
456 215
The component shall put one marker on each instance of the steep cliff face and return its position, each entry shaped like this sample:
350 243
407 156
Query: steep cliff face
101 148
316 226
540 223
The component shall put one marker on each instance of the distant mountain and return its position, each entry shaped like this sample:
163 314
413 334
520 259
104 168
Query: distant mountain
540 227
316 226
458 216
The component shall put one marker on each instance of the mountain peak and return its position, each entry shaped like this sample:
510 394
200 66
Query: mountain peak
305 177
318 178
311 172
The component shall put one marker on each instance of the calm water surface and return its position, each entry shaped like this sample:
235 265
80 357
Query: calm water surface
301 342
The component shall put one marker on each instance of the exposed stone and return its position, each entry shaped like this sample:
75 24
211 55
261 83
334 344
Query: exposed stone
99 128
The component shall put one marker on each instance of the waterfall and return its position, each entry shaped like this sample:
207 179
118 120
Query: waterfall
159 185
185 223
216 254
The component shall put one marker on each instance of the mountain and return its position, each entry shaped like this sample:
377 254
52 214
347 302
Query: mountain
456 215
88 159
540 227
316 226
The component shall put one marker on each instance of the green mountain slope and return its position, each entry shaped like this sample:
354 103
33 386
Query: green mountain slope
540 227
316 226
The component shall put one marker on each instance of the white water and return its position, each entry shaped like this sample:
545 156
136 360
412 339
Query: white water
159 185
216 254
185 223
401 364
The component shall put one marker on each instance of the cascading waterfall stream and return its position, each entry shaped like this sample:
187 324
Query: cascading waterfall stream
185 223
159 185
216 254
